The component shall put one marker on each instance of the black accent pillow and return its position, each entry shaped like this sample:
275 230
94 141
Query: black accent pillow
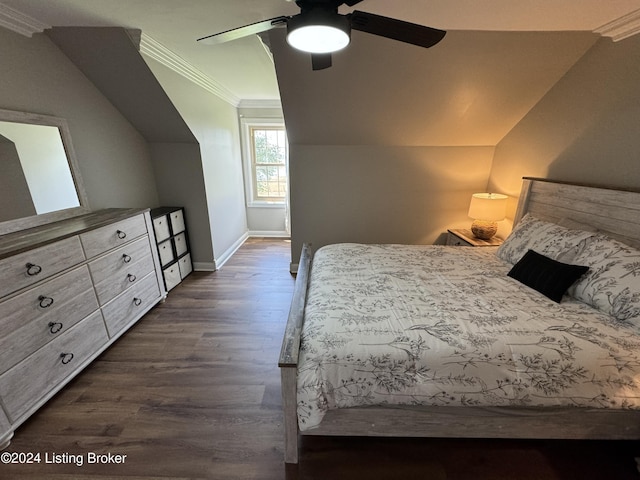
547 276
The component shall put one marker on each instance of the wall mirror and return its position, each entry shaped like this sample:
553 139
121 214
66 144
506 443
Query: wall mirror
39 177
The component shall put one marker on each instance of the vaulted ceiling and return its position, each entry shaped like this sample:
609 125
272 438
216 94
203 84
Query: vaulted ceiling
243 69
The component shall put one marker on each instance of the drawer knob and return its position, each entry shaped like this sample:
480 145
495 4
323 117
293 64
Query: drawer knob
45 302
126 258
131 277
55 327
33 269
137 301
121 234
66 357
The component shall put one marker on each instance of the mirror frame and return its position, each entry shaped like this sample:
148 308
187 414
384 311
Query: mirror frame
24 223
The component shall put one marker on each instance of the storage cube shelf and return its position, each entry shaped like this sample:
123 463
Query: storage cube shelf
173 244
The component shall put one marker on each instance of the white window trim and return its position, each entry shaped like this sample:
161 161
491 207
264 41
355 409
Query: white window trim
246 124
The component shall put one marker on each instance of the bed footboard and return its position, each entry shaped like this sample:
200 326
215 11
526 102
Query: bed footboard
288 361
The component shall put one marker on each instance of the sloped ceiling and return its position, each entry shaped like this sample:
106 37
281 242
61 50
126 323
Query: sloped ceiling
244 70
470 89
497 60
123 77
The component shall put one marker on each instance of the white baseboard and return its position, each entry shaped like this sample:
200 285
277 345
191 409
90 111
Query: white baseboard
222 259
269 234
204 266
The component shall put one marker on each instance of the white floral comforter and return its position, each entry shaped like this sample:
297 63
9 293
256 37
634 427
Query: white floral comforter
436 325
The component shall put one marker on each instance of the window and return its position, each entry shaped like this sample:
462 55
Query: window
269 154
266 149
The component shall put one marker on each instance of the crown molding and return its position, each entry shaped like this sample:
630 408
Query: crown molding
160 53
20 22
248 103
622 27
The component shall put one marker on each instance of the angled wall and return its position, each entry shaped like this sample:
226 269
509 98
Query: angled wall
585 129
113 157
214 124
389 143
110 58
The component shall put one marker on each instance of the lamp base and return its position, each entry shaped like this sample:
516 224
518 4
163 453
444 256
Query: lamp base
484 229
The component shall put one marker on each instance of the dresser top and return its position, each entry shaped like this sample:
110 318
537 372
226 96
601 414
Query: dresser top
17 242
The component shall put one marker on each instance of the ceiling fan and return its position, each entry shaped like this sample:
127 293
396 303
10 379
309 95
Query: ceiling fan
320 30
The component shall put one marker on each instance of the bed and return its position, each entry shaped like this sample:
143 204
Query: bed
537 338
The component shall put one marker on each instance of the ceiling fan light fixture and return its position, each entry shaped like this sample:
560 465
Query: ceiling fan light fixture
318 32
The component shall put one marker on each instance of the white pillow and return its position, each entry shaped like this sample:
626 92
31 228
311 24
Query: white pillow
612 284
546 238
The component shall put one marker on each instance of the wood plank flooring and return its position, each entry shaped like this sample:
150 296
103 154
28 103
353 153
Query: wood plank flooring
193 392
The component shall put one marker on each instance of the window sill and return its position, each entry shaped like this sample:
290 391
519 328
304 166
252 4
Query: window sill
281 205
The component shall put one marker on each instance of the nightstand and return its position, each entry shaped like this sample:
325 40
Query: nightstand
462 237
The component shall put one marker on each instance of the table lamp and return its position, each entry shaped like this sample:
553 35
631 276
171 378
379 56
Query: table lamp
487 209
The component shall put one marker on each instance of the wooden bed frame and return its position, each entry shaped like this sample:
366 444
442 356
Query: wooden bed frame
616 212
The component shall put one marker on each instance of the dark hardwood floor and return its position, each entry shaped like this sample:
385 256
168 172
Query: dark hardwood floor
193 392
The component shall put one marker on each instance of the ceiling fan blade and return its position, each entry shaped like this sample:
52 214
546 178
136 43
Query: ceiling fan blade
396 29
245 31
320 61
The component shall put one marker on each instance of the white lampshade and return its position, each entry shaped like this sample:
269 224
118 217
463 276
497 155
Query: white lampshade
488 206
318 32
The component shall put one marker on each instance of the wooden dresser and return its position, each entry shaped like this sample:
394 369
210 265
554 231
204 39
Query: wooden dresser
67 291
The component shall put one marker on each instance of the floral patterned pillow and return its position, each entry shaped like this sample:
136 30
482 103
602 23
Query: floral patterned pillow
546 238
612 284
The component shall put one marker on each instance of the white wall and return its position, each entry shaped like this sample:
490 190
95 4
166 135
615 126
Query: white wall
214 123
261 220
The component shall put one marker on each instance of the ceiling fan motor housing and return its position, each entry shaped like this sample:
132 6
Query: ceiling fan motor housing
319 30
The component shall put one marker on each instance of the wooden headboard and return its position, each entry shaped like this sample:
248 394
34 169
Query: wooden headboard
615 212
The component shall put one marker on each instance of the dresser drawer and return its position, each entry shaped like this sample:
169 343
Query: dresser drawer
123 309
161 228
27 268
102 239
30 380
177 222
33 318
119 261
120 281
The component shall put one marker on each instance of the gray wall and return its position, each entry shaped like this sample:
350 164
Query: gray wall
375 161
120 166
389 143
374 194
180 182
586 129
113 157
